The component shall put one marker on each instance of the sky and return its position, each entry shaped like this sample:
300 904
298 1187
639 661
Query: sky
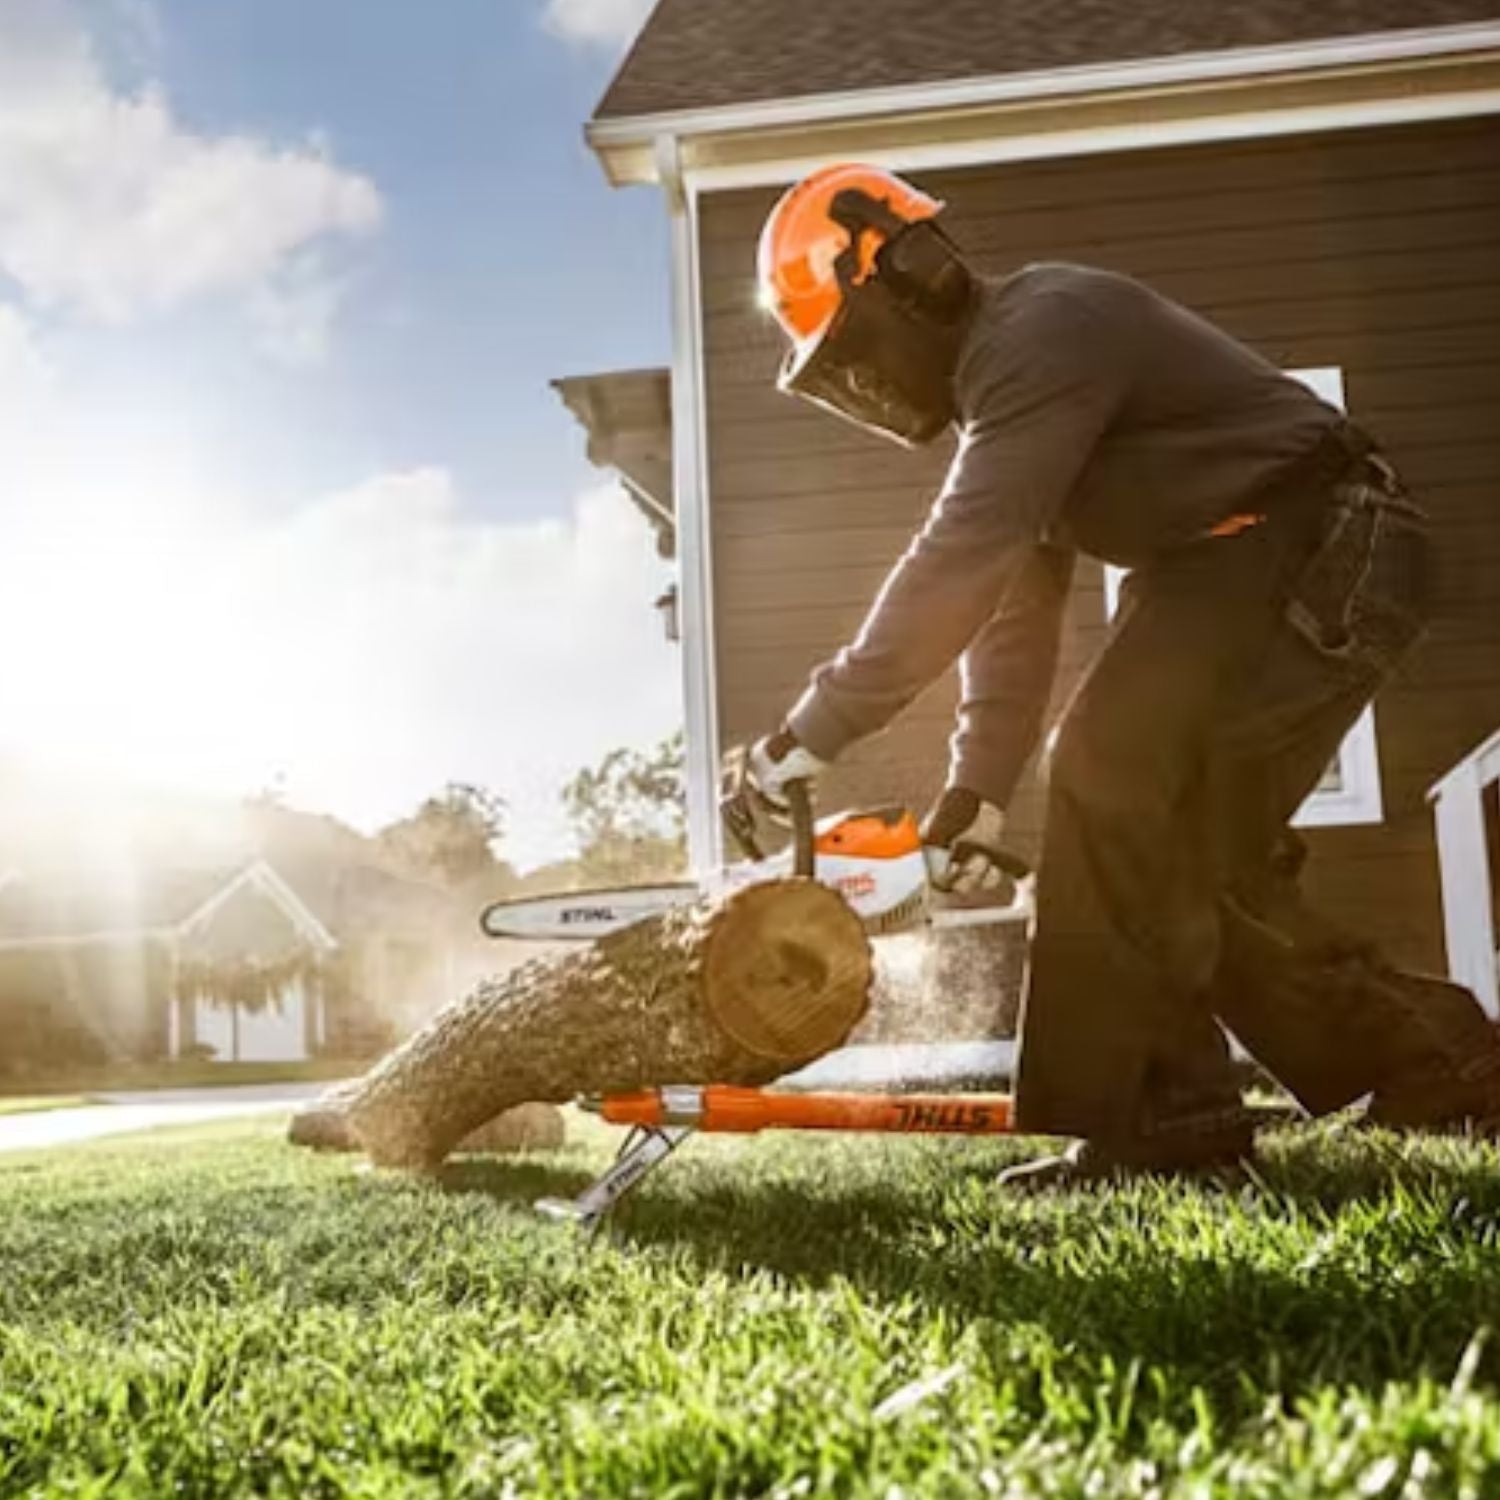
285 497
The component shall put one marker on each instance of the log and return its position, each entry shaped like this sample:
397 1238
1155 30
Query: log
524 1127
738 991
323 1125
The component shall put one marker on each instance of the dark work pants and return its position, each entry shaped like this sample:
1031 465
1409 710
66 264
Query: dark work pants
1166 898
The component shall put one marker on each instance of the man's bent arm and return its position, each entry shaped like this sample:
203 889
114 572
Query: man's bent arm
1006 677
1039 407
934 601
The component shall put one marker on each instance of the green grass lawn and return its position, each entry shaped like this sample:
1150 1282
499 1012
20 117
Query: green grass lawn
210 1313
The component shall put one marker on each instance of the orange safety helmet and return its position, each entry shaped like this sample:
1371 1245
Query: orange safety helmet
801 243
870 292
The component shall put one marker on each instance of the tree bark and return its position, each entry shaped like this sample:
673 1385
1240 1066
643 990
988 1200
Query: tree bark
735 992
323 1125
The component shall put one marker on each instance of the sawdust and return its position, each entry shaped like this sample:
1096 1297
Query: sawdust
957 984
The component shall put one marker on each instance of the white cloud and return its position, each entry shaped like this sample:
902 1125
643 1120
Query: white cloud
364 648
111 207
610 23
413 644
26 375
294 310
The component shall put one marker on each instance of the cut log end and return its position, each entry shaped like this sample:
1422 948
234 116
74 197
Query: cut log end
786 970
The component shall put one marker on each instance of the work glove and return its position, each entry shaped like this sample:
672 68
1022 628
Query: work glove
775 762
961 843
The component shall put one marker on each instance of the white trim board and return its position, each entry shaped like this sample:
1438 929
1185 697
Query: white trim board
700 698
997 149
1467 879
1394 74
1357 798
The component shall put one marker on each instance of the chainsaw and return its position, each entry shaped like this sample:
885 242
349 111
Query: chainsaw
874 860
872 857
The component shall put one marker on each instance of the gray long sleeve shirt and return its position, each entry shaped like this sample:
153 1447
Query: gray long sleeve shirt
1094 415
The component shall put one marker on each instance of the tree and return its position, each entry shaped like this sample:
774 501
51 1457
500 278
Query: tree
451 838
629 814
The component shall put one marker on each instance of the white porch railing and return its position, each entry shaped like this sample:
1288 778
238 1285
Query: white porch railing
1463 856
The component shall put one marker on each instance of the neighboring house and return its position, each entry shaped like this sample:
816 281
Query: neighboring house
305 948
1323 180
256 924
141 963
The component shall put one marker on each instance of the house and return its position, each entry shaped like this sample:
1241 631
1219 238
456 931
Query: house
1322 180
119 962
171 927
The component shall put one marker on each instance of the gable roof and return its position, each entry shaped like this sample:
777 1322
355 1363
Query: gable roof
705 54
53 904
262 878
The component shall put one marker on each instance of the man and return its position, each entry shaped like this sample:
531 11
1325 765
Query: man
1279 573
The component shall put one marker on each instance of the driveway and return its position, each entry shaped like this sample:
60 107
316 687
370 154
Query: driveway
148 1110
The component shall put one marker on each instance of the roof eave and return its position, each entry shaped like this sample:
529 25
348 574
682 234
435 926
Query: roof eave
1080 103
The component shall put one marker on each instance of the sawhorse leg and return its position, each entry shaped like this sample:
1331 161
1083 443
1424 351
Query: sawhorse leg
645 1148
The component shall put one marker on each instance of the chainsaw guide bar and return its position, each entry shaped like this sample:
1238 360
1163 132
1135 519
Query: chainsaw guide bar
582 915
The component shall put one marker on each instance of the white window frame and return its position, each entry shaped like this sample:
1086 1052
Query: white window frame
1357 798
1458 805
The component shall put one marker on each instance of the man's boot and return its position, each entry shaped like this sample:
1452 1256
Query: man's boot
1334 1022
1190 1123
1220 1155
1458 1086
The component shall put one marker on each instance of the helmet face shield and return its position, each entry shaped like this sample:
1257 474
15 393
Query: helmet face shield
879 364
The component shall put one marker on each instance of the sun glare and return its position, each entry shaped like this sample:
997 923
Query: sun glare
140 656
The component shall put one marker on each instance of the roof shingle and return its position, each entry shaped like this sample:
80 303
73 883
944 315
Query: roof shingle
698 54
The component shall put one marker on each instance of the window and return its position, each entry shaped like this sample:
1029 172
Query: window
1350 789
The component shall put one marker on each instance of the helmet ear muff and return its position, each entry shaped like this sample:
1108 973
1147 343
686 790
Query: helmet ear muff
859 213
916 260
923 266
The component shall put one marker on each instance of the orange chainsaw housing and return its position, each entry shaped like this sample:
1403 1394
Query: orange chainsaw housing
871 836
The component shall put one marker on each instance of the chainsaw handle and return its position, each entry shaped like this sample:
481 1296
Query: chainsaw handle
738 805
799 804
